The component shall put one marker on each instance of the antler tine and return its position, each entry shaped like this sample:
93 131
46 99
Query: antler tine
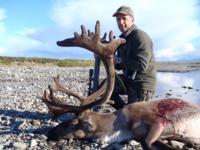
91 34
51 97
57 86
104 36
53 101
45 95
76 35
111 36
83 30
103 39
97 31
84 100
55 110
48 98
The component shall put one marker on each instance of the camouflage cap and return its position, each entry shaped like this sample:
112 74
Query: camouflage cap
124 10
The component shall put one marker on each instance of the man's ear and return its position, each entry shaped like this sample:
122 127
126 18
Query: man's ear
133 19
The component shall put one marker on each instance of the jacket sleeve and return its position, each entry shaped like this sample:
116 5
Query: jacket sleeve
140 52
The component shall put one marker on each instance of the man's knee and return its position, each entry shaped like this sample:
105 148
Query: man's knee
118 101
146 95
142 95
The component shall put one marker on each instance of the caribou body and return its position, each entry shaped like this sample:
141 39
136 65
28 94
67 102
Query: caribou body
171 119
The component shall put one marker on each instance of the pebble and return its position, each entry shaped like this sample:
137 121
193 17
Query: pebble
24 119
33 143
20 145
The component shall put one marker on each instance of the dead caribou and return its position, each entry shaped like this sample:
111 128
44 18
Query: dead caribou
171 119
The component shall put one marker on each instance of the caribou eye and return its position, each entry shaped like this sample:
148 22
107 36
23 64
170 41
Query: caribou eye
87 126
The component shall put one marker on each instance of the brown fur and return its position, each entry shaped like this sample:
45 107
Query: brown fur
142 120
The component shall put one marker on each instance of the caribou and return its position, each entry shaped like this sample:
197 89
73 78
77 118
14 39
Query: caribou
147 122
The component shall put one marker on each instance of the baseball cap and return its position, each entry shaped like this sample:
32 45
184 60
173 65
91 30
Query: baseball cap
124 10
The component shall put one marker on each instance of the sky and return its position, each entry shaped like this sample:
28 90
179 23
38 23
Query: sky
30 28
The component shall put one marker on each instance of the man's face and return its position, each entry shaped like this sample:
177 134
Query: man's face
124 22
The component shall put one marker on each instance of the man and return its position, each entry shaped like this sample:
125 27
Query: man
136 60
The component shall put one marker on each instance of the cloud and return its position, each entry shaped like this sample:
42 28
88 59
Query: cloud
173 26
18 45
175 53
2 17
71 14
2 29
29 31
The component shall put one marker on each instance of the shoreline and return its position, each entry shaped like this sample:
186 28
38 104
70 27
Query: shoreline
178 67
161 67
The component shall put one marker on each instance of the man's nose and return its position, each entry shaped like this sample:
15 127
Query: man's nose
120 21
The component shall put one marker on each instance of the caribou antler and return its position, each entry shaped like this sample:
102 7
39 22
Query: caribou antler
57 108
105 50
57 86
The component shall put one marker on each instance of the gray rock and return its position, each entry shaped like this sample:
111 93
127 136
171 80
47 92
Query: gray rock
20 145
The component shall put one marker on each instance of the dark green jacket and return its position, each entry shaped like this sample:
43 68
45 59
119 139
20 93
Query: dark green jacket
137 55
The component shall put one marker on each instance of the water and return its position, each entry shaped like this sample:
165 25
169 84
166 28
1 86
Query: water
179 85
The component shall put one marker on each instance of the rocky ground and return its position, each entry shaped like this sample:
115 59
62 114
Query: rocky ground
24 119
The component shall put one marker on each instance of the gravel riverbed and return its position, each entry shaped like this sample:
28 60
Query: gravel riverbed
24 119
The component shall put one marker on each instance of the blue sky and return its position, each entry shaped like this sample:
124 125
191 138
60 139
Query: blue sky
30 28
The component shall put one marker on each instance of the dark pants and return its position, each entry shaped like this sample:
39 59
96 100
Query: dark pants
127 86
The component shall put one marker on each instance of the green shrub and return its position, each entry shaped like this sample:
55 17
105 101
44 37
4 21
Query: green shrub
5 62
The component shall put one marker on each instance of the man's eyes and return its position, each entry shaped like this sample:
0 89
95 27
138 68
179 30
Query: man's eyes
124 19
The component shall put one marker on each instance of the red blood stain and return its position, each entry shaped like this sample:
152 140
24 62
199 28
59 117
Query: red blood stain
169 106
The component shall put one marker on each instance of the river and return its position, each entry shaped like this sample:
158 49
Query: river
179 85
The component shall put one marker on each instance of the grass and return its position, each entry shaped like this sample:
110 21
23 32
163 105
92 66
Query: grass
8 61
